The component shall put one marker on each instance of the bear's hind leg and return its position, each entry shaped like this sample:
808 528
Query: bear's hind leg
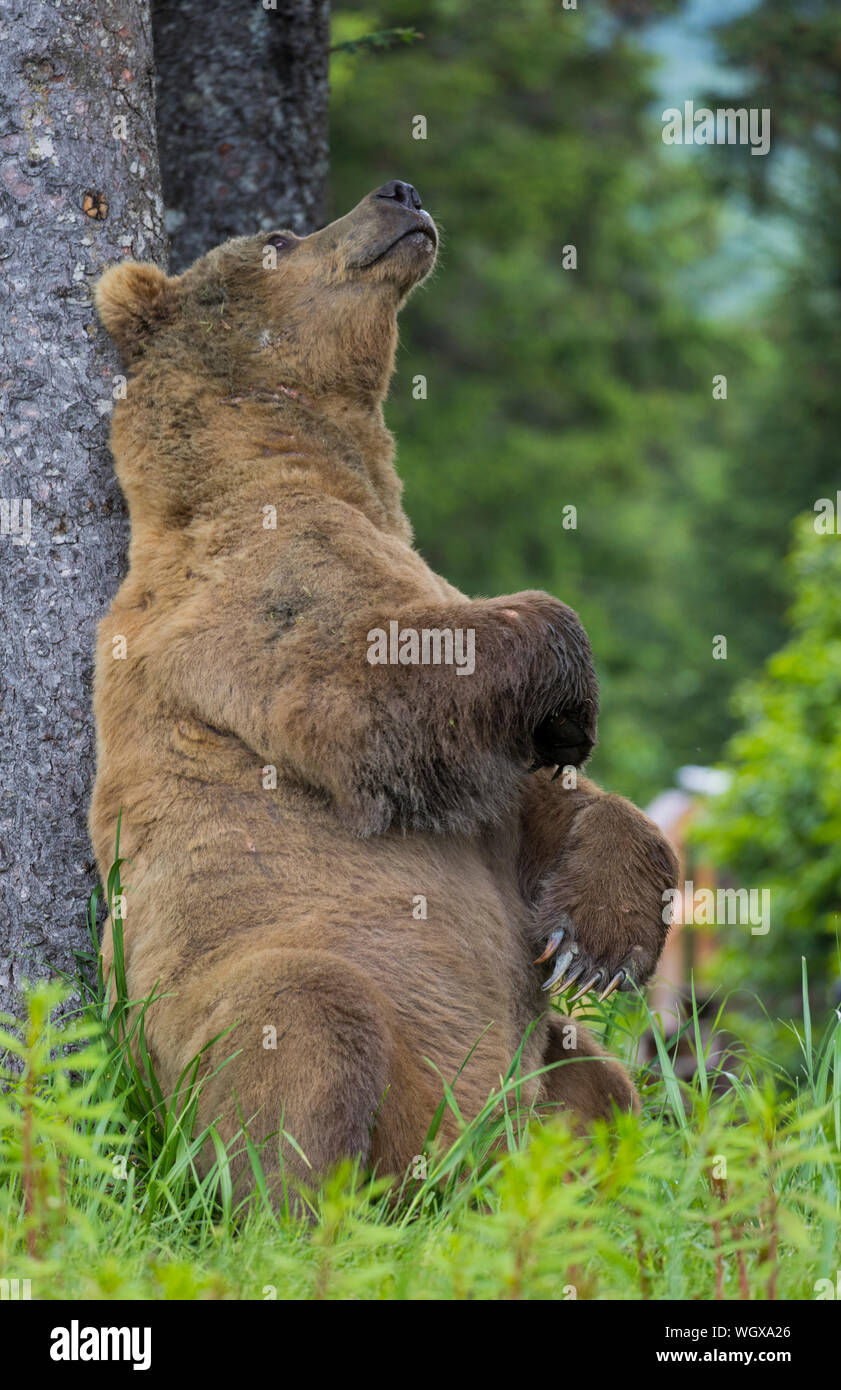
313 1052
587 1082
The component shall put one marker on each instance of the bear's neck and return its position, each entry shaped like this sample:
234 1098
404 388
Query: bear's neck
260 442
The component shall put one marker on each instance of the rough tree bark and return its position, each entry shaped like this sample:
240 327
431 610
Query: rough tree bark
79 189
242 117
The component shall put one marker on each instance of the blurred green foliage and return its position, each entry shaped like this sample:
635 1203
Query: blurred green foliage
779 825
592 387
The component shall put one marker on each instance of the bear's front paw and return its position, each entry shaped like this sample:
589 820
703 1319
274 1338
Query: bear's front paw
559 691
602 913
560 741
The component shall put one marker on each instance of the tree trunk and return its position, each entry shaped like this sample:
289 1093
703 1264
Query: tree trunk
79 189
243 110
242 117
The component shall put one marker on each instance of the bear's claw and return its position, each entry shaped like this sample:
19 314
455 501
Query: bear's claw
616 983
552 945
587 986
571 965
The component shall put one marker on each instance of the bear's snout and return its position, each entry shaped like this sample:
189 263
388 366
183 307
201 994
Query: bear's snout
403 193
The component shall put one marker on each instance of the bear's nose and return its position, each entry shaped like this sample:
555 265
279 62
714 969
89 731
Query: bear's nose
403 193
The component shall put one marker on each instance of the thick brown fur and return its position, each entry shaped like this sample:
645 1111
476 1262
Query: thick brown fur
267 541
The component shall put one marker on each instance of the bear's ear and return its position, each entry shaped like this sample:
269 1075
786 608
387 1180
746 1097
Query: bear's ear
133 298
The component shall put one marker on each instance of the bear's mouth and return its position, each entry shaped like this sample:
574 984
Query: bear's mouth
419 234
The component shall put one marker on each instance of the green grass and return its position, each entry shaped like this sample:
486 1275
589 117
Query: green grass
725 1187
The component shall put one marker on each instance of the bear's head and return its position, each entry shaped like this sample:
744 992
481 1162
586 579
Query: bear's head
316 312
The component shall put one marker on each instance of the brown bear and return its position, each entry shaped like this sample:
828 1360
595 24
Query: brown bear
334 770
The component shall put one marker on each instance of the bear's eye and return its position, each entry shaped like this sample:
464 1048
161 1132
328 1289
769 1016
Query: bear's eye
281 241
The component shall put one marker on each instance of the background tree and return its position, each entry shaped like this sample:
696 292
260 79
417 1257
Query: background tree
780 826
777 442
242 117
